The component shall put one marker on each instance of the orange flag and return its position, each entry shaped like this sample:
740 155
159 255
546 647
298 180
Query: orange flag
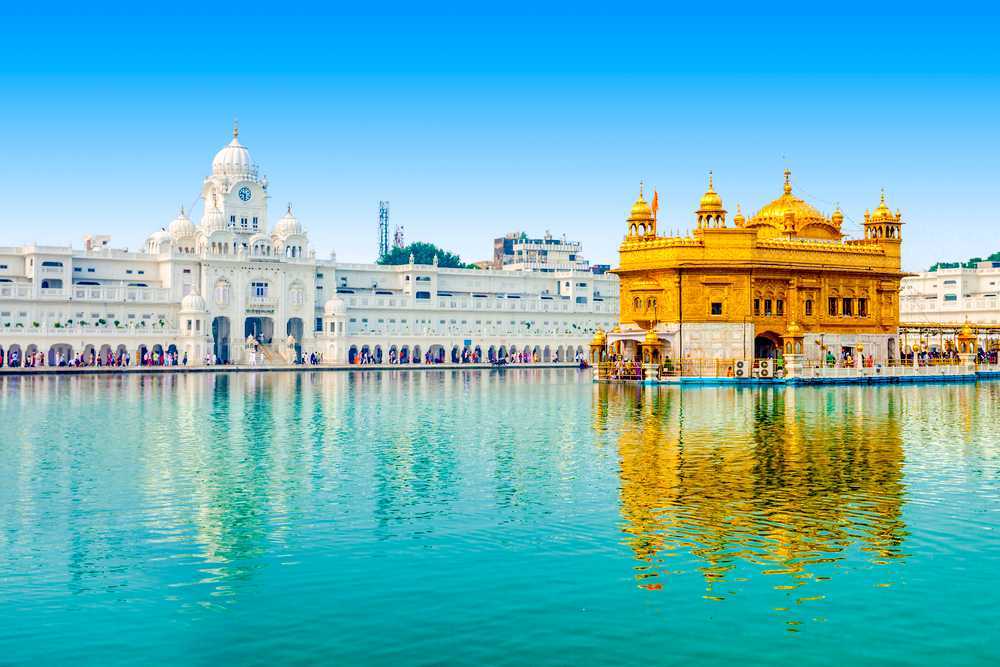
656 202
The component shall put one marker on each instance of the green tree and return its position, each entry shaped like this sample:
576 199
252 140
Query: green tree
423 253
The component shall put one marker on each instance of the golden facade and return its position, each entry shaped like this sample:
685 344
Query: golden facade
735 289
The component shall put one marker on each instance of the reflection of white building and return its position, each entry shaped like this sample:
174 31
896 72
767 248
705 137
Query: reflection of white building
203 288
952 295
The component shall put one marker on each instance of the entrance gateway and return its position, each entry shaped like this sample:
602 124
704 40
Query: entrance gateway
261 328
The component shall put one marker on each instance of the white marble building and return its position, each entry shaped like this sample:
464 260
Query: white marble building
952 295
202 289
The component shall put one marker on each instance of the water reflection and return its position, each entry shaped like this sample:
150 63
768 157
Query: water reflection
781 482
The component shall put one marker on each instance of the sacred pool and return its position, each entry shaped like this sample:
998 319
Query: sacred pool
520 516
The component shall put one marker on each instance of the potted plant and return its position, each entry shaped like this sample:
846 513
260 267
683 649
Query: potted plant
118 324
57 325
35 324
102 322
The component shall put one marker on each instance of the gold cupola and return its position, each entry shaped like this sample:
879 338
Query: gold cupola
882 223
710 212
806 222
838 217
641 222
738 219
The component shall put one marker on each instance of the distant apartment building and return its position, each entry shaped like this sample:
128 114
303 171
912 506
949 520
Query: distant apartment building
517 252
953 293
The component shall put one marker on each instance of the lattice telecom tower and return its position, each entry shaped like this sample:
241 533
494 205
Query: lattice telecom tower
383 229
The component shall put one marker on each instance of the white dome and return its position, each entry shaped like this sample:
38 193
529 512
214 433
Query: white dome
335 306
159 236
193 303
212 220
288 225
181 226
233 159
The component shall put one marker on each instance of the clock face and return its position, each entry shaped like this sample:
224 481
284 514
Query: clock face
245 193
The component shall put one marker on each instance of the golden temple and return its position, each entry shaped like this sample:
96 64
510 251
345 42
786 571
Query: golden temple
783 280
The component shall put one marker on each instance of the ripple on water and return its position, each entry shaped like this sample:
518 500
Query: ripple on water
470 516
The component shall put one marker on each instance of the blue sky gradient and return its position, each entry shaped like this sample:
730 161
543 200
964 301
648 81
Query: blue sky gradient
474 125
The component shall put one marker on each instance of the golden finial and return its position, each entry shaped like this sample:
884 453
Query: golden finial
788 182
709 180
236 128
882 198
641 185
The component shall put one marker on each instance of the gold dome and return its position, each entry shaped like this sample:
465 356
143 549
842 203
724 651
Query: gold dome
640 209
882 213
807 221
794 330
738 219
599 337
651 338
838 216
710 201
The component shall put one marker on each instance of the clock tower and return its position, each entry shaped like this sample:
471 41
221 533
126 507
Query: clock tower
237 189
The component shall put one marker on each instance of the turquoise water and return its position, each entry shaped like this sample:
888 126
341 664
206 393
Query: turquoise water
470 517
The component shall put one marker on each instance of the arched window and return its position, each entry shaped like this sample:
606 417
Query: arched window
222 293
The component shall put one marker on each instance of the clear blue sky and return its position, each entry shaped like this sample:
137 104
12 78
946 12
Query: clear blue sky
474 125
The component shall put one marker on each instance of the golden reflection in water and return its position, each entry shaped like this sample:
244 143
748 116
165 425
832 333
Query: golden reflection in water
782 481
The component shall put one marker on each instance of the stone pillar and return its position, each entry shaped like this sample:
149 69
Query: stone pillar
794 363
651 373
967 342
794 354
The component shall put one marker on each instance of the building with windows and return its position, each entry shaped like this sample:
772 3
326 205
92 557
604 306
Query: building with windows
204 289
953 294
749 288
517 252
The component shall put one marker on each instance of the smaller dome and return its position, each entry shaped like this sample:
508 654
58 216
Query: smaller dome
640 209
794 330
335 306
838 217
193 303
181 226
738 219
882 213
159 236
288 225
651 338
212 220
599 337
710 201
